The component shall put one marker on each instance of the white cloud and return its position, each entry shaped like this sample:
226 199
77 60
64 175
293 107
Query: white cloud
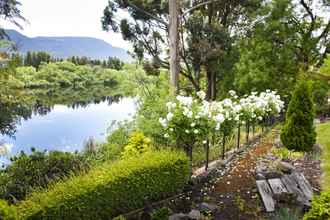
66 18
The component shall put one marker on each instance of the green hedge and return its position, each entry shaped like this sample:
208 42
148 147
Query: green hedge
7 212
110 189
320 207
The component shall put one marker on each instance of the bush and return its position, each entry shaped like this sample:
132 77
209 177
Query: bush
137 144
111 189
285 154
298 132
7 212
37 170
320 207
161 214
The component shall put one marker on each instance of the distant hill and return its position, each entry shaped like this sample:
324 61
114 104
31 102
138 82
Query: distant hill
63 47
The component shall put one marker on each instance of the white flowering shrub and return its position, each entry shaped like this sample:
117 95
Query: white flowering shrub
190 119
187 119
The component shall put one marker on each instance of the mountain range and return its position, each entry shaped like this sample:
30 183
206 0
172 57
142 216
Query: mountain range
63 47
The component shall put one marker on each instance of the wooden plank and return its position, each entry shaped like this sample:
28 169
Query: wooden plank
277 186
303 185
266 195
292 187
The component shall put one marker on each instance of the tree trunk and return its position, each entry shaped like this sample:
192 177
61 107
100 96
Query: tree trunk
173 38
223 145
247 132
190 155
238 135
211 85
207 149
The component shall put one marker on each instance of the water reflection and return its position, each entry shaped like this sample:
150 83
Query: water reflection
61 120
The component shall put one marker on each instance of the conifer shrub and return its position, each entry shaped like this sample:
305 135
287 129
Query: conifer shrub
111 189
298 132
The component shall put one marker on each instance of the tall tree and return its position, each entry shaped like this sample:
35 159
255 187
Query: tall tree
173 38
147 29
9 10
287 37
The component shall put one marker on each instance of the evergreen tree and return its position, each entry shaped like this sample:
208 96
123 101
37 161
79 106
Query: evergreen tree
298 132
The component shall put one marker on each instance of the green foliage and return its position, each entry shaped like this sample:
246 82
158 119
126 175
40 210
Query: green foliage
320 90
287 214
323 138
325 68
320 207
119 218
111 189
286 154
298 133
37 170
7 212
154 94
64 74
161 214
36 58
137 145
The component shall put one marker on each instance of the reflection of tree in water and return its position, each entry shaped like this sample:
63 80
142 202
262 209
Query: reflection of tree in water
11 113
42 102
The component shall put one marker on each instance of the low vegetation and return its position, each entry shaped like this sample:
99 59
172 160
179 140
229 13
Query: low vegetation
323 138
110 189
321 204
37 170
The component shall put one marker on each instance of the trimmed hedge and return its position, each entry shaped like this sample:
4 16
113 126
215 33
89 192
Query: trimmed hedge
110 189
320 207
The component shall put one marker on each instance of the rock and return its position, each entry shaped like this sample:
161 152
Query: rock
273 174
284 197
194 214
208 207
178 216
285 167
260 176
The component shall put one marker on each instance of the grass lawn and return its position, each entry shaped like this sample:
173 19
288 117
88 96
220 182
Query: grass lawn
323 138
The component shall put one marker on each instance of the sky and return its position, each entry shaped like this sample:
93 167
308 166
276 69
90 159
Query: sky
66 18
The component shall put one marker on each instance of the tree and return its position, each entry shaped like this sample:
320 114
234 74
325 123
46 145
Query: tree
173 41
148 30
9 10
298 132
287 36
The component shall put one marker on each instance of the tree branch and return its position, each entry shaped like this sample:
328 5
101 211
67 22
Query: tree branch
197 6
148 14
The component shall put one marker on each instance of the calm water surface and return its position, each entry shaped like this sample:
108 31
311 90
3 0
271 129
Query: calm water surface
65 128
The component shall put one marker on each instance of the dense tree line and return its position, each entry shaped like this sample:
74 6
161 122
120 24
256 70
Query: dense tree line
111 62
34 59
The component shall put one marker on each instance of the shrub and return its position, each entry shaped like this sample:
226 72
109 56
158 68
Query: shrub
285 154
298 132
137 144
320 207
7 212
111 189
37 170
161 214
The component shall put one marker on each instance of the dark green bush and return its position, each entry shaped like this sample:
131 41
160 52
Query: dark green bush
111 189
161 214
298 132
37 170
320 207
7 212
